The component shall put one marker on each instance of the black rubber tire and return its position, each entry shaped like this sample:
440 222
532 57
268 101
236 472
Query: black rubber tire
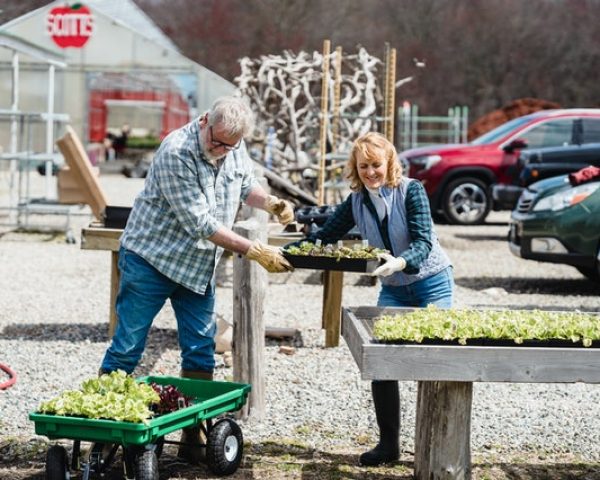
146 465
592 274
466 201
159 445
224 447
57 463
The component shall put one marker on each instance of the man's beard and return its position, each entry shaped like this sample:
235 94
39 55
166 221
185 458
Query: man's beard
214 158
211 157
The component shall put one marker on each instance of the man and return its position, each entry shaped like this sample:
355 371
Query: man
176 232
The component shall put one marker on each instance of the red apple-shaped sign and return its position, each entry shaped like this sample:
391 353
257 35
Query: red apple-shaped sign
70 26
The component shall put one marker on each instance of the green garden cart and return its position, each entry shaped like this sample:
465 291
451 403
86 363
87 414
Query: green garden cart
142 443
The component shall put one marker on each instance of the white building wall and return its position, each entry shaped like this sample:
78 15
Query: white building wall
113 47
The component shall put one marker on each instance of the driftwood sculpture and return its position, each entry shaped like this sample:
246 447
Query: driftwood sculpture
285 91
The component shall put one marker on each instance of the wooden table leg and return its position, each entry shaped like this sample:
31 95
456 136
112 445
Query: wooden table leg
443 431
332 306
115 278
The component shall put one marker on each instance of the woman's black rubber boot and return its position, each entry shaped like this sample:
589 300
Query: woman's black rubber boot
387 411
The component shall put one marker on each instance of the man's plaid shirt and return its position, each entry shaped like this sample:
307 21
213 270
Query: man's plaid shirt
185 200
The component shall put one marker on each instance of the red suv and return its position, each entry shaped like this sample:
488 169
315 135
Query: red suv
458 178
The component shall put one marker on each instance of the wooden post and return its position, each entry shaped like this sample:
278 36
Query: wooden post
249 288
443 429
391 105
386 66
389 101
324 119
332 306
337 87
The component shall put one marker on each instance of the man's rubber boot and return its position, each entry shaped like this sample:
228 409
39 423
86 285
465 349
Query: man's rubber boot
193 443
387 411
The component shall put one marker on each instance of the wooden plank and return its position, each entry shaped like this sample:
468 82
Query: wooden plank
101 239
481 364
249 289
355 336
281 332
443 431
466 363
277 182
83 173
333 282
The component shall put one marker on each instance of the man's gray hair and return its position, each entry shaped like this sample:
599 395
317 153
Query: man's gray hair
233 114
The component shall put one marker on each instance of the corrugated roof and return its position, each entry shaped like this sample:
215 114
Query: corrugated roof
128 13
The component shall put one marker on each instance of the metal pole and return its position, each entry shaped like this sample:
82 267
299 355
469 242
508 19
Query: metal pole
406 130
14 125
465 123
414 120
50 131
324 118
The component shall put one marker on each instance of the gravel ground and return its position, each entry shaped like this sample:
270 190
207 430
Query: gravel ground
53 332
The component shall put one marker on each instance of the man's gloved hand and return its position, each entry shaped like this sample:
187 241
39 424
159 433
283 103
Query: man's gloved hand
270 258
282 209
391 265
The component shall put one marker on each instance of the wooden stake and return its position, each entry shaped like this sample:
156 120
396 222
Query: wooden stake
324 118
391 103
335 126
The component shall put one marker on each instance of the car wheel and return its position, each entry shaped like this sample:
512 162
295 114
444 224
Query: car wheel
590 273
466 201
593 273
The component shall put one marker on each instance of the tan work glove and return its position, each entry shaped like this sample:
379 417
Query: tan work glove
270 258
392 265
282 209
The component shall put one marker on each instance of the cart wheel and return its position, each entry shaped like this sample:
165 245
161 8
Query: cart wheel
146 465
57 463
224 447
158 446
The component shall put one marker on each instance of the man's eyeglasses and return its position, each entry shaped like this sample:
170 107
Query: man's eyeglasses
218 144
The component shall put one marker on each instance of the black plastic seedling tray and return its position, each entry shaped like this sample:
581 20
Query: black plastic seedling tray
331 263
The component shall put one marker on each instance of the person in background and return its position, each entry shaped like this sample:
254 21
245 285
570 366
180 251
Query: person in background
177 230
392 212
115 145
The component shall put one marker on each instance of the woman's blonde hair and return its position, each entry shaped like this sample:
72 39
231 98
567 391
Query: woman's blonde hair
373 145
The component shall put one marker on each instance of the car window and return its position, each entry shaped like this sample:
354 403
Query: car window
591 130
500 131
550 134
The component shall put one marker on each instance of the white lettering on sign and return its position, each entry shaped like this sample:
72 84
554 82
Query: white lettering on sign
70 25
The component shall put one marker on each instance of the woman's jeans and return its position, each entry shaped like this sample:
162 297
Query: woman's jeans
435 290
143 291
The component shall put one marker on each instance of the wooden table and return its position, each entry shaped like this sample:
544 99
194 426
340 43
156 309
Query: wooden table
445 376
97 237
100 238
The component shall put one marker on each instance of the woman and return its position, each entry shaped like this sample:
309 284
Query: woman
391 212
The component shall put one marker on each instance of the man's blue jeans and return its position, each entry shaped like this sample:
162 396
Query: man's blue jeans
435 290
142 293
